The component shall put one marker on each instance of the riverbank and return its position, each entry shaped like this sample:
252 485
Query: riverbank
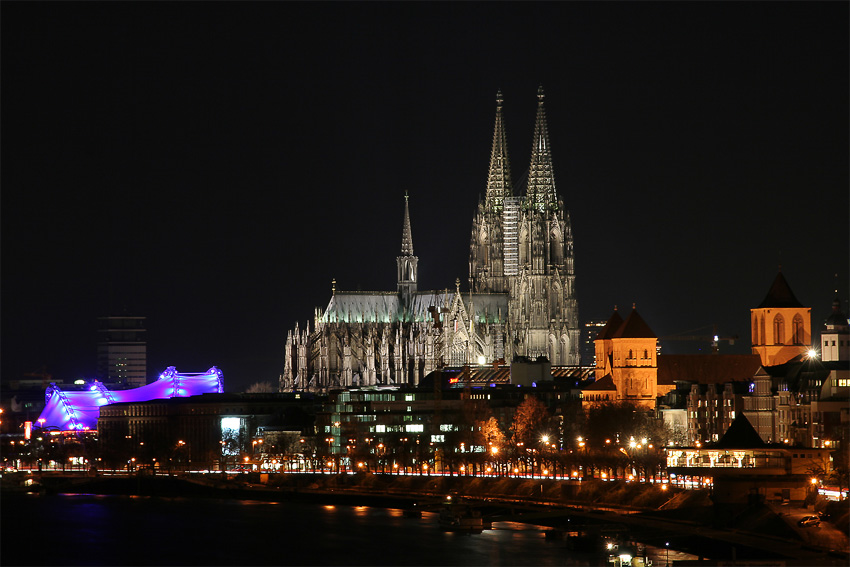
684 519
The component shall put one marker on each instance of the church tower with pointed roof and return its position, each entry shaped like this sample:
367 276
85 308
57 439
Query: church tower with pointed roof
635 367
835 336
407 263
542 295
486 246
781 325
626 363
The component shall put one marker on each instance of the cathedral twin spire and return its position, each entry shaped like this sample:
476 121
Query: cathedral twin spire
540 193
499 177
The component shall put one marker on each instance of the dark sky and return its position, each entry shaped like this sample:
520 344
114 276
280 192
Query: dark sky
212 166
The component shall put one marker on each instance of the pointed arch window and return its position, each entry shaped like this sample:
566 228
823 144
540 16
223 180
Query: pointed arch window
798 329
756 330
761 331
779 329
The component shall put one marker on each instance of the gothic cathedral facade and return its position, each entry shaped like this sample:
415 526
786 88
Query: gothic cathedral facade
521 302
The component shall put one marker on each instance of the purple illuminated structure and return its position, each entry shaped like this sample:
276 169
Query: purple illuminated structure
79 410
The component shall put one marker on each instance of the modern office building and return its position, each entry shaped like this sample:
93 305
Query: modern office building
122 351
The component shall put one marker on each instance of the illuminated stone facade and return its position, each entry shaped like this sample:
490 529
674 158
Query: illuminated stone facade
626 363
524 247
781 325
521 301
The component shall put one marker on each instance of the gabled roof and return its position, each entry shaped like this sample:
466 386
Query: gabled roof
779 295
740 435
604 384
611 326
707 368
634 327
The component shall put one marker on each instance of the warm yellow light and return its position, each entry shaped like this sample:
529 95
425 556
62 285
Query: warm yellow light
604 475
812 353
545 473
663 487
814 481
545 438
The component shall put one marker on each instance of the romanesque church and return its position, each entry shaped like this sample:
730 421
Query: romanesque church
520 302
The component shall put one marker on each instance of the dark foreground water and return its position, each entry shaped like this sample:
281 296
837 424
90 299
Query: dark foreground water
86 529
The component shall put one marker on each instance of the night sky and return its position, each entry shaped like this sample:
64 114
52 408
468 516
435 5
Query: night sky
213 166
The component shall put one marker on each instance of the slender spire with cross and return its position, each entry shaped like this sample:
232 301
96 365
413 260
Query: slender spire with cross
540 194
406 235
499 177
407 264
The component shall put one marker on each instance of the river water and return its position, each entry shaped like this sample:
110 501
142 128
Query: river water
87 529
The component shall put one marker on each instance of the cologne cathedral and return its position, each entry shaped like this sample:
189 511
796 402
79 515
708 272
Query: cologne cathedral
520 303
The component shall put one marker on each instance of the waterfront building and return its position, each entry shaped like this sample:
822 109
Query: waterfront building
743 468
207 431
78 409
122 351
521 302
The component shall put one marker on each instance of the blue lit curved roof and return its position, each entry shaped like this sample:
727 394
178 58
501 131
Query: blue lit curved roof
80 409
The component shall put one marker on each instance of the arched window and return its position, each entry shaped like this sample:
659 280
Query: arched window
756 330
761 331
645 354
798 329
779 329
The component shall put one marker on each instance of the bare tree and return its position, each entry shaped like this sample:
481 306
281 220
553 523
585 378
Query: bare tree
261 388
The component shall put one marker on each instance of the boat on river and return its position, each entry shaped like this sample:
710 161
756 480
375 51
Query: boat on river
457 516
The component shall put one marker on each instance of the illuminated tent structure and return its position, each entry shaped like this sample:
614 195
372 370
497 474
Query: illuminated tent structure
79 410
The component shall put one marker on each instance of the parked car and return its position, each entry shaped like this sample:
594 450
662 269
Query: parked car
808 521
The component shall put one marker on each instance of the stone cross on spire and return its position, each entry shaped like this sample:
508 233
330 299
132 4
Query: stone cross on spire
541 194
499 177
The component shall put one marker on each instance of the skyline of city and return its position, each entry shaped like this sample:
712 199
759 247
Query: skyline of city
215 173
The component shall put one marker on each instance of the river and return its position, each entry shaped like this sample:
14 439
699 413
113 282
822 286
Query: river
88 529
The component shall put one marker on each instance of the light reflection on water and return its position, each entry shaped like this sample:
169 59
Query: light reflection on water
120 530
